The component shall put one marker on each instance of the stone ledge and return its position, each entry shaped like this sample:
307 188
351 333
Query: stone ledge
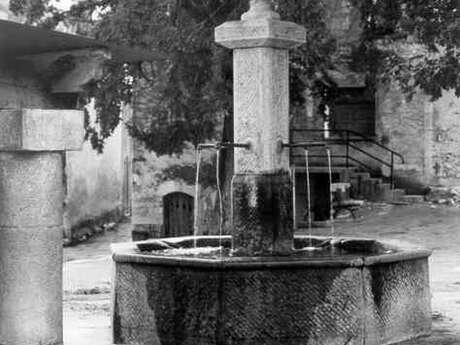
41 130
260 33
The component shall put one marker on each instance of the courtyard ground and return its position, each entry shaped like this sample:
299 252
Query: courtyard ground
88 268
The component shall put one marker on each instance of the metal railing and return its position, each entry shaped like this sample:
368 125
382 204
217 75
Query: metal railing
348 138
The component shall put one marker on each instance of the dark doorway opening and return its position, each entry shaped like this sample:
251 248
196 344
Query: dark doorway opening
319 197
178 214
354 109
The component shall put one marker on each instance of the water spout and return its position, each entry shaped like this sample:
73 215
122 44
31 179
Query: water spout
309 218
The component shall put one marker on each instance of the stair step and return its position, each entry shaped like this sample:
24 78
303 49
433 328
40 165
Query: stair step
412 199
398 194
354 184
385 186
388 196
324 169
368 188
384 192
357 181
364 186
374 192
361 175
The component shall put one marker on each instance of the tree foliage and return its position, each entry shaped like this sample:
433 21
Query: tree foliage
191 77
415 42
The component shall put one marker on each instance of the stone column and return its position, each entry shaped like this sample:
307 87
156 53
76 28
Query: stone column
32 144
262 198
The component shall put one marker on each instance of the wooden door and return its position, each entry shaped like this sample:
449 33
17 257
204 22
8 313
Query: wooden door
358 117
178 214
354 109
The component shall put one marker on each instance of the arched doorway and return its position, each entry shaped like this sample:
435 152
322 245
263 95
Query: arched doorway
177 214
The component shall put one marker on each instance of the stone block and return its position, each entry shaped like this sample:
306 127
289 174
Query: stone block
260 32
31 188
397 299
261 108
262 214
31 286
398 194
41 130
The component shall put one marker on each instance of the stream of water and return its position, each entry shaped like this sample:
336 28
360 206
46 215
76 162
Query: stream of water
231 208
220 196
221 205
309 218
331 194
197 194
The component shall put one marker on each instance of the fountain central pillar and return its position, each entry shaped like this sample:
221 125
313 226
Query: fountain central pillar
262 188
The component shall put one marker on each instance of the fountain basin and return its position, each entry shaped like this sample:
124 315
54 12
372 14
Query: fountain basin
362 292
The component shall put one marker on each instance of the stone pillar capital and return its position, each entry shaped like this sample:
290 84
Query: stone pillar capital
41 130
260 27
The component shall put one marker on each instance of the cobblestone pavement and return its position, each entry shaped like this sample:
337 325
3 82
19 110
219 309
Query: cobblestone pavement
87 271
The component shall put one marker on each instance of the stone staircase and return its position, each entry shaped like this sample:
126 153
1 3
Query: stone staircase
364 186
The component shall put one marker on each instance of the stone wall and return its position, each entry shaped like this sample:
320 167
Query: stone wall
426 133
151 183
445 141
94 181
404 126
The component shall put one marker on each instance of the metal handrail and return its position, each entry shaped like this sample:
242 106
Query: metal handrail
370 155
348 144
343 157
362 136
386 148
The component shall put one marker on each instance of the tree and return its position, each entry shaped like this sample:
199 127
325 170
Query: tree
430 27
192 76
195 88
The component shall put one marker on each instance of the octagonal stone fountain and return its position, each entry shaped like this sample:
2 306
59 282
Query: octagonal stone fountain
263 285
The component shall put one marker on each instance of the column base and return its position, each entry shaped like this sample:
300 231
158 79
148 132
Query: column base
262 214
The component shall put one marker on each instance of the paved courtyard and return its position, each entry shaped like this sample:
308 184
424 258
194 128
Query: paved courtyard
87 271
